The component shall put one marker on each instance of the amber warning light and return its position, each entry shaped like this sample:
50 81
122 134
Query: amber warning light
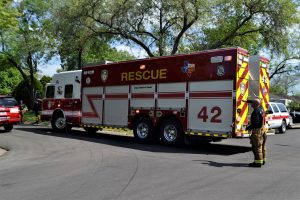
142 67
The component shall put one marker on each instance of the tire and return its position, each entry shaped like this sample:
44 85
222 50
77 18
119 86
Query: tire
59 123
282 128
171 132
143 130
8 127
91 130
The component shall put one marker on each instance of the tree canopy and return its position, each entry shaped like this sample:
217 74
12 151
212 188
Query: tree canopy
87 31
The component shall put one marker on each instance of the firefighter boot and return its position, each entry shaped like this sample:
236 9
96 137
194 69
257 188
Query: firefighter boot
253 164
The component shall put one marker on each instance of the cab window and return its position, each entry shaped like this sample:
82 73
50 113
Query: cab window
50 91
276 110
282 108
68 91
270 108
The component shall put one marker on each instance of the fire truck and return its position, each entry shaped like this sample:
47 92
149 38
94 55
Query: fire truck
198 95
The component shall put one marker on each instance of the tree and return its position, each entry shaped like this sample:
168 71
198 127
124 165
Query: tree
21 92
8 15
77 45
26 46
157 26
162 27
289 61
283 84
9 79
251 23
44 80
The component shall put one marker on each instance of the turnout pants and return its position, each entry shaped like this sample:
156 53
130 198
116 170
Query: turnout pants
258 141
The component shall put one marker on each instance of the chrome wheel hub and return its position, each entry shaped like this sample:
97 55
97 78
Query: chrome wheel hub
142 130
60 123
170 133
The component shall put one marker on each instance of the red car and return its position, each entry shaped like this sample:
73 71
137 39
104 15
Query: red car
9 112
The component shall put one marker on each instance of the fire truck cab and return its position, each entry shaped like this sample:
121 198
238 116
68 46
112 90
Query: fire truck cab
61 105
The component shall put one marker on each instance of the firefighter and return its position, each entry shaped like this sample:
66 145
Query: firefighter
36 110
258 136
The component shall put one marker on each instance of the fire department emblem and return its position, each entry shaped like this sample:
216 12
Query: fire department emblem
104 75
88 80
220 70
60 90
188 68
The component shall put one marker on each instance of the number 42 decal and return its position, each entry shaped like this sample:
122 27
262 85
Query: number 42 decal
215 111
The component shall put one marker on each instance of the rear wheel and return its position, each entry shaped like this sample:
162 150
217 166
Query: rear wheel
282 128
171 132
8 127
143 130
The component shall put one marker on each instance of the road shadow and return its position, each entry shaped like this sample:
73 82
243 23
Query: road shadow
131 143
219 164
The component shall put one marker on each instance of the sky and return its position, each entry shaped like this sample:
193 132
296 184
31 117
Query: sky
51 67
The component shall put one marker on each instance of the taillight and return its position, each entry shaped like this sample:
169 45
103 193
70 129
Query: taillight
14 110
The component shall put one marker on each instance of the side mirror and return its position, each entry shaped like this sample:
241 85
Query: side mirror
269 112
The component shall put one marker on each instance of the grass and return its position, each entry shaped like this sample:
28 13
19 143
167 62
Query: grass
28 117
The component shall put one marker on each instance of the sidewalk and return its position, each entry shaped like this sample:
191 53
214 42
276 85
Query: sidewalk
2 151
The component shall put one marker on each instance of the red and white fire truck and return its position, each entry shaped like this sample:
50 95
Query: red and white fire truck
63 100
200 95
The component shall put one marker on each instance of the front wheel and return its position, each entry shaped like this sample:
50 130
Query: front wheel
59 123
143 130
171 132
8 127
282 128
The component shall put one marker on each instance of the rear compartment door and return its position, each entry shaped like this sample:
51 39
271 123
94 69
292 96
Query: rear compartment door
210 106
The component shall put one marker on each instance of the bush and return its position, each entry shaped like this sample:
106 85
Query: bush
22 92
294 106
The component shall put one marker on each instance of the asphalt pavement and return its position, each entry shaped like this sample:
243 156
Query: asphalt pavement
43 165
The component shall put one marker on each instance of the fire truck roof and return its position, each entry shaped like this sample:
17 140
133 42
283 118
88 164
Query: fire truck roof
239 49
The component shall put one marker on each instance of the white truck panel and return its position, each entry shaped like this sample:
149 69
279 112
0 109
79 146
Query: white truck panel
116 105
211 85
171 95
116 112
66 78
210 106
117 89
92 104
142 96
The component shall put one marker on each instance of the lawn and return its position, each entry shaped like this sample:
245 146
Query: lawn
28 117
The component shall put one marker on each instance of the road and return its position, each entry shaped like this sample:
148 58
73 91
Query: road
42 165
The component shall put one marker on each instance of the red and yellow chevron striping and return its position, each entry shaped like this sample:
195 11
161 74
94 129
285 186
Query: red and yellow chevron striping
242 92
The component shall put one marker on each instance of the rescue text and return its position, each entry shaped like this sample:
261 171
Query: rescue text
144 75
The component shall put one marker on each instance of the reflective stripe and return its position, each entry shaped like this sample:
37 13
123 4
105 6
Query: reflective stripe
258 161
